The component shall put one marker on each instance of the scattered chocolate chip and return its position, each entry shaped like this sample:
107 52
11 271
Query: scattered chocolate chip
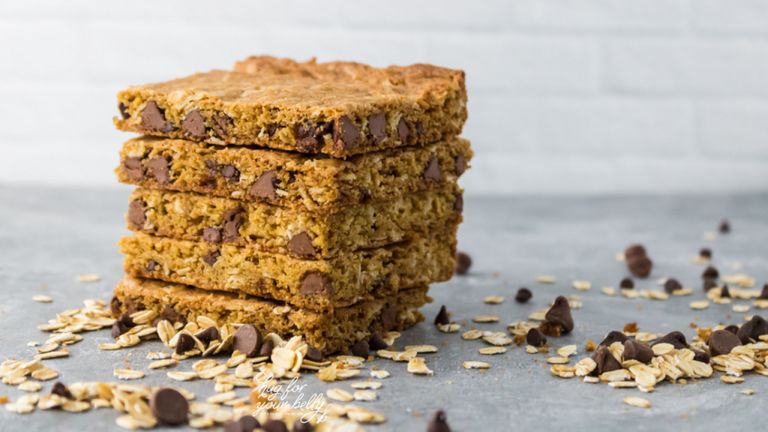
361 349
345 134
309 144
315 284
158 168
247 340
169 314
169 407
432 173
705 253
463 263
274 426
442 317
640 266
305 130
710 273
194 125
377 125
614 336
389 317
265 186
722 342
127 321
301 245
248 423
560 315
732 328
208 335
535 337
133 168
212 235
185 343
523 295
61 390
151 266
313 354
675 338
672 285
232 221
635 251
701 356
458 205
212 168
753 329
153 118
627 283
130 306
230 173
439 423
266 348
123 111
606 362
461 164
634 350
725 292
136 214
211 257
323 128
221 125
709 284
725 227
232 426
403 132
377 342
114 306
300 426
764 294
118 329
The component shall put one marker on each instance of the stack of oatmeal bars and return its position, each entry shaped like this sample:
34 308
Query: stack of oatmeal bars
310 199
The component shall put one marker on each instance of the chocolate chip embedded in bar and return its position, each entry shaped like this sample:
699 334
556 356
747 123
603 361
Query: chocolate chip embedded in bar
336 108
322 185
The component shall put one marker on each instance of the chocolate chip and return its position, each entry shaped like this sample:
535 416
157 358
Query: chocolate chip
345 134
535 337
212 235
377 342
169 407
725 292
709 284
271 129
127 321
266 348
523 295
463 263
123 111
151 266
185 343
232 220
305 130
705 253
136 214
725 227
701 356
560 315
627 283
194 125
419 127
309 144
389 317
361 349
442 317
764 294
153 118
461 164
605 361
753 329
672 285
733 328
365 197
313 354
614 336
230 173
221 125
248 423
675 338
710 273
232 426
301 245
315 284
403 132
247 340
118 329
458 204
158 168
61 390
114 306
432 172
133 168
634 350
300 426
208 335
439 423
265 186
212 168
722 342
634 251
274 426
130 306
640 266
323 128
169 314
377 125
211 257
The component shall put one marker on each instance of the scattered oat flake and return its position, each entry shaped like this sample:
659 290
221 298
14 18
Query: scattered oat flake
530 349
380 374
42 299
364 396
486 319
557 360
546 279
366 385
636 401
621 257
89 278
740 308
128 374
732 379
417 366
609 291
683 292
494 299
567 350
709 235
475 365
492 350
422 349
748 392
698 305
339 395
449 328
582 285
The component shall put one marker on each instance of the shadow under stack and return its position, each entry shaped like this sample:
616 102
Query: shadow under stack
303 199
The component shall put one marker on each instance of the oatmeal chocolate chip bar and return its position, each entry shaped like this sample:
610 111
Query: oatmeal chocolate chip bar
327 332
337 108
299 233
320 285
323 185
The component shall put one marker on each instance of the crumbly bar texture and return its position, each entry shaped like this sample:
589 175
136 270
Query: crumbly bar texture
337 108
299 233
320 285
323 185
328 332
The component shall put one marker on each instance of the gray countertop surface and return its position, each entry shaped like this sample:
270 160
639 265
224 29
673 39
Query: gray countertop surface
49 236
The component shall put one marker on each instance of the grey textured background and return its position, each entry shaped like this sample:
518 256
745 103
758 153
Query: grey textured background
52 235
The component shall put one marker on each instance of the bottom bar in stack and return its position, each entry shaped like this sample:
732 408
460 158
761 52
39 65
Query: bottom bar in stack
330 332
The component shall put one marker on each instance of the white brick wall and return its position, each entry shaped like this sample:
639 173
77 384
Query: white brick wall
566 96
